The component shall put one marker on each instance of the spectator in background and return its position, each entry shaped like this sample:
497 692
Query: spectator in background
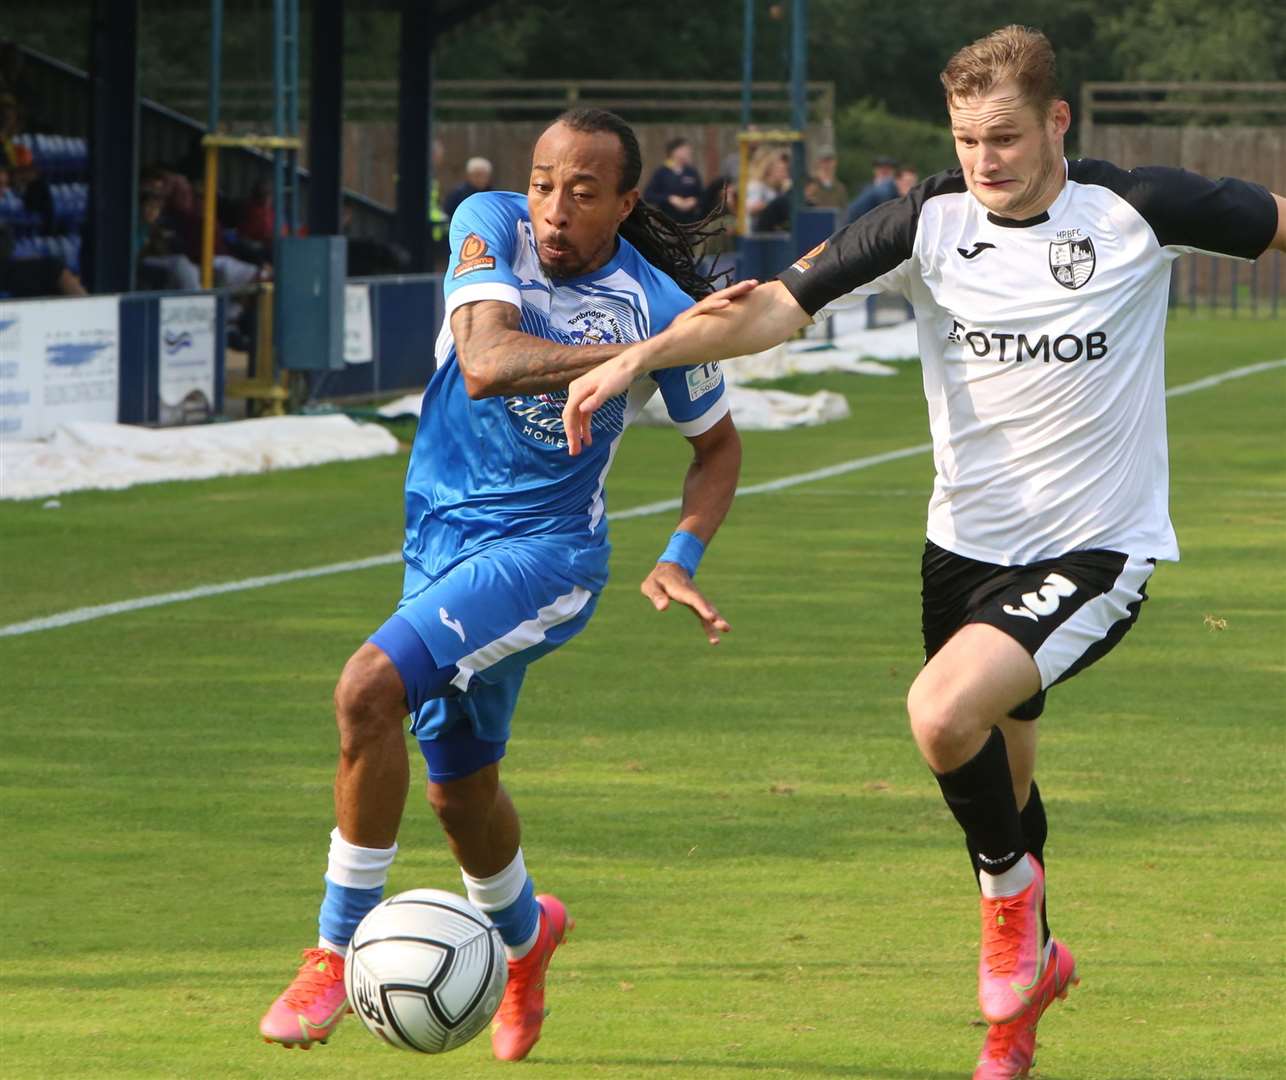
173 188
439 245
880 190
775 217
831 192
907 177
15 80
46 275
258 217
188 220
9 127
769 177
477 177
675 187
161 264
24 178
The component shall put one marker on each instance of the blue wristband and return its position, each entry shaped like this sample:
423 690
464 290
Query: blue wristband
686 550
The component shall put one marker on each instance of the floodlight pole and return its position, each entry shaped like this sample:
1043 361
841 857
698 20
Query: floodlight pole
292 112
279 33
747 61
216 65
210 198
798 114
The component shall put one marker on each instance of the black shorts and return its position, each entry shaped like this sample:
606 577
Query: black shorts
1066 611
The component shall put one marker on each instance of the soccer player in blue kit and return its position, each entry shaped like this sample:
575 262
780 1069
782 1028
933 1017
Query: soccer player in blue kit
506 541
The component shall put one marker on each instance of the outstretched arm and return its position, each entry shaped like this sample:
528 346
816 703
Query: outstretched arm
708 490
715 329
497 358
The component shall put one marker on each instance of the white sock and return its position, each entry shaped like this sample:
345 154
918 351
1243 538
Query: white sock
517 952
357 867
338 950
498 892
1010 883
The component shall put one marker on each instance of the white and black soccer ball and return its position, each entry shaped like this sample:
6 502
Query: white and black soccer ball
426 971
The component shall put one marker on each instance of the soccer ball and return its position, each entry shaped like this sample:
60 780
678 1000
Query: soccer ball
425 971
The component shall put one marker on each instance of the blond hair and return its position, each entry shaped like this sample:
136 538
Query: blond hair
763 159
1020 53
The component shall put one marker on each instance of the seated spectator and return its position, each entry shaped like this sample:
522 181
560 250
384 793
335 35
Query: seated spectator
907 177
675 187
161 264
258 216
477 177
28 278
188 222
880 190
10 125
831 192
15 79
769 177
25 179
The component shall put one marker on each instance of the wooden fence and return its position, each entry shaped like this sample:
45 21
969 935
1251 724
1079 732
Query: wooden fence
370 150
1216 129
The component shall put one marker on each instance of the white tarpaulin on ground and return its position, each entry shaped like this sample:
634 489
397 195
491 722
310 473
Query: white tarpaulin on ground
764 410
83 455
753 410
774 410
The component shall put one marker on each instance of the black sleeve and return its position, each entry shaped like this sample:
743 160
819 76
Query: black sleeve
1184 209
867 248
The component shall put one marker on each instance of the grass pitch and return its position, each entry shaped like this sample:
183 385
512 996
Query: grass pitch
764 876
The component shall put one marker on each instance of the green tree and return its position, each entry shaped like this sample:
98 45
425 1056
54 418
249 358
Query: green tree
1197 40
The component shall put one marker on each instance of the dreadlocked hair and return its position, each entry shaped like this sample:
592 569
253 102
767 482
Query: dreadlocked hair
668 245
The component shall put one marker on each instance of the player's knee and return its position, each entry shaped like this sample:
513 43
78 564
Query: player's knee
936 716
465 804
369 698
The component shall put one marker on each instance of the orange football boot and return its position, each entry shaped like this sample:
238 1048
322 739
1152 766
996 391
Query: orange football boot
516 1028
1009 1050
312 1006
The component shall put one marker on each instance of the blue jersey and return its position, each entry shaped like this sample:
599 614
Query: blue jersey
484 472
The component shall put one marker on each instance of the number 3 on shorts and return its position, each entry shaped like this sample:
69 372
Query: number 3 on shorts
1043 601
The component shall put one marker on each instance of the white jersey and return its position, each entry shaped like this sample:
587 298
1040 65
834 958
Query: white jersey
1042 344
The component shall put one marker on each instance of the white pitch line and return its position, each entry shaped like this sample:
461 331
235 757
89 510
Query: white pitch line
1224 376
121 607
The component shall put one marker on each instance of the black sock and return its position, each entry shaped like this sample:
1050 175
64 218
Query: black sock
1035 827
981 795
1035 830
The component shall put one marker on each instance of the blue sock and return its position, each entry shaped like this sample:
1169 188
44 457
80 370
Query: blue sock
517 922
355 878
509 899
342 909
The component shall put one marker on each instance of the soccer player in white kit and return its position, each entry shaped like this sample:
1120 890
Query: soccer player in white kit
1040 290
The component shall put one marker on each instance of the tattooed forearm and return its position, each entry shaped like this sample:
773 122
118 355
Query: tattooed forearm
497 358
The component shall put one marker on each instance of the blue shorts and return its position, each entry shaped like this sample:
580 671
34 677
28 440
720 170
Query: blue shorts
462 643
